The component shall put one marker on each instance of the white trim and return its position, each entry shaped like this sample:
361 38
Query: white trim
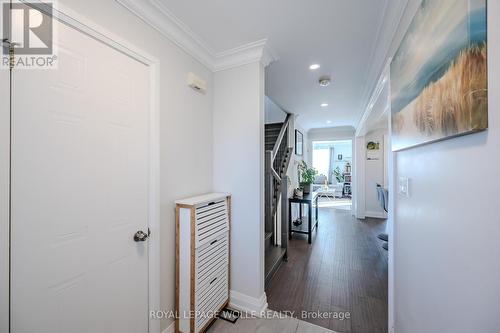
390 25
158 16
374 51
86 26
249 304
392 176
262 213
245 54
375 215
381 84
4 197
359 177
170 328
154 186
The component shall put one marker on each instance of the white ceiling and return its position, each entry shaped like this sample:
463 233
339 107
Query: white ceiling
340 35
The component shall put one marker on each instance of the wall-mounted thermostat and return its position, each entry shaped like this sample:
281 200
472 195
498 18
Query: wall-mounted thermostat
196 83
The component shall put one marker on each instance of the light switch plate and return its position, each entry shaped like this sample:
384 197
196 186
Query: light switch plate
404 187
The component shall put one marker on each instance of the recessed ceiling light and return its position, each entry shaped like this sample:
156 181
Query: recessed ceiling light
324 105
314 66
328 121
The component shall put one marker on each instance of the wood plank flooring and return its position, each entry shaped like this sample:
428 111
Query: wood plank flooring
344 270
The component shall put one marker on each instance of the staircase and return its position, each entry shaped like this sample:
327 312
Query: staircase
278 156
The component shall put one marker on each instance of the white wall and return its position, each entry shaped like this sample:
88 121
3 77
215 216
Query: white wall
446 247
335 133
374 174
373 127
326 134
185 123
239 169
274 113
296 160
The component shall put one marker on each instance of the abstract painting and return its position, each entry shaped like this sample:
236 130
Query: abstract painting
439 85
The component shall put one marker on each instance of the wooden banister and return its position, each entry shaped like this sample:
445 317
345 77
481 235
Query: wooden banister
281 135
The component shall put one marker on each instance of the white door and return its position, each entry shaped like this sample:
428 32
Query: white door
80 161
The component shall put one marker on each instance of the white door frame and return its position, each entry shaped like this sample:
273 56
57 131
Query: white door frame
88 27
4 198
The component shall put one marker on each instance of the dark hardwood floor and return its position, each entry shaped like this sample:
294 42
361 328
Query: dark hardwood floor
344 270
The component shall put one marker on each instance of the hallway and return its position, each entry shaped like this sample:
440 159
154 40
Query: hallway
344 270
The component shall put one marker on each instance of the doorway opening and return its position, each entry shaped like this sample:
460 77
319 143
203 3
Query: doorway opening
333 161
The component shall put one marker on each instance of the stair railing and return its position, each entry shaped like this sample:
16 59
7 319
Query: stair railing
276 187
277 150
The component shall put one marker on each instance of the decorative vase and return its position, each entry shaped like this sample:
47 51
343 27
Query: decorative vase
306 188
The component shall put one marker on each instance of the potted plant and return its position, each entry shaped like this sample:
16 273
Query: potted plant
307 176
339 176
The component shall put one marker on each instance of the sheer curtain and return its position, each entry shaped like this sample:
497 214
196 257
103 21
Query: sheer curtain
331 163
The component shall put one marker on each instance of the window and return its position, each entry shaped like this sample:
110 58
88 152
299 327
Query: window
329 155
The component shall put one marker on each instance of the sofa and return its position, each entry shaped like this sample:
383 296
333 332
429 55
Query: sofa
319 184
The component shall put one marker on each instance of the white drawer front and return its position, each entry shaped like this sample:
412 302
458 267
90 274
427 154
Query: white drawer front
212 264
211 259
211 300
211 220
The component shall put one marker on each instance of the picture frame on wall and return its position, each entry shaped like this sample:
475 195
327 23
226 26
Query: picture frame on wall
299 143
439 75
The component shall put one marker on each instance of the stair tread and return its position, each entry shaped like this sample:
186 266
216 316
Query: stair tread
273 258
274 125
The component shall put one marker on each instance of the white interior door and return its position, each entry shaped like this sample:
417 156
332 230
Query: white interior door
80 173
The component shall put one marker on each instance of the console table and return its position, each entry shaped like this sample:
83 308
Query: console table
310 200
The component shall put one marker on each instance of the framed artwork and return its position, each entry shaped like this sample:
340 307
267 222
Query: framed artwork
373 151
299 143
439 86
372 145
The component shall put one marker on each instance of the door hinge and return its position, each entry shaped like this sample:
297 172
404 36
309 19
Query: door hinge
10 45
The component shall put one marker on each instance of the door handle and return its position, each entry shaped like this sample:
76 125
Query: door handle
141 236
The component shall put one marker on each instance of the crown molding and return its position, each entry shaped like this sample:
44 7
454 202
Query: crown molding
157 15
391 21
381 84
245 54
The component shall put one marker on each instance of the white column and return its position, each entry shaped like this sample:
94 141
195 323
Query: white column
359 178
239 169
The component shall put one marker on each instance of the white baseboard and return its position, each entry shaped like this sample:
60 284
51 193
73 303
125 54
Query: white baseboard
360 216
238 301
377 215
170 328
246 303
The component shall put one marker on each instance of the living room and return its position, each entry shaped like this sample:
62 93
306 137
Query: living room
332 161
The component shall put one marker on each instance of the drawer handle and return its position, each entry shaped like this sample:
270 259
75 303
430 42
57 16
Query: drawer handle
211 203
213 242
213 281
